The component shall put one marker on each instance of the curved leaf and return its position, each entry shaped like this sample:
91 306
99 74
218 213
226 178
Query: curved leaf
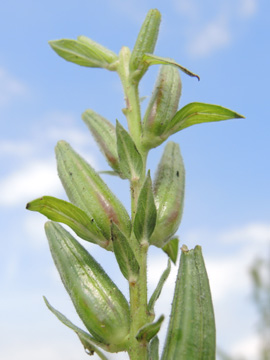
69 214
197 113
89 343
151 59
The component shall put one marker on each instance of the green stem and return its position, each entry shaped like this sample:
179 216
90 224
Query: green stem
132 110
137 290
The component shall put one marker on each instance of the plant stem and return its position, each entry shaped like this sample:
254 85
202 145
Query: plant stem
137 290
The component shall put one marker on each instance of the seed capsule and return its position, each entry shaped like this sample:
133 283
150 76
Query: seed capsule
145 42
191 331
162 105
87 190
99 303
169 185
103 132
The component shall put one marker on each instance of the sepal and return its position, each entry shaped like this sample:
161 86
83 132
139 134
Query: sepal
192 305
169 186
99 303
69 214
88 191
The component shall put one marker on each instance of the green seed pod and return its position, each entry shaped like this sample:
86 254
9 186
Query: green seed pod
97 300
191 331
103 132
87 190
169 185
162 105
145 43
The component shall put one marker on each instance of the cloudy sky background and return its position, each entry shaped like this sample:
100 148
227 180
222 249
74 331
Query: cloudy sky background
227 163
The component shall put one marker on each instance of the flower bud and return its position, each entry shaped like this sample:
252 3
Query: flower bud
162 105
191 331
97 300
169 185
103 132
145 43
87 190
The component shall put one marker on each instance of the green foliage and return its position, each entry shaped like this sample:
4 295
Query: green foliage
95 214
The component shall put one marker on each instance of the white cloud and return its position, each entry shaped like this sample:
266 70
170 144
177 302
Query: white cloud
247 347
256 233
208 31
215 35
10 87
248 8
15 148
34 180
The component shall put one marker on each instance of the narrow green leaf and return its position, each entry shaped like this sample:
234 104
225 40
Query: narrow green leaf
168 188
148 331
151 59
124 254
84 53
88 191
197 113
69 214
90 288
103 132
157 292
146 42
99 51
171 249
154 349
191 330
146 214
89 343
130 160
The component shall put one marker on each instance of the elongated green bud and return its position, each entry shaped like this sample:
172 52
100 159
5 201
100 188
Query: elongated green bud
162 105
85 52
191 331
103 132
169 185
145 43
87 190
97 300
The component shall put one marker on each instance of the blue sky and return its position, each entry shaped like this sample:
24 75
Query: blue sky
227 163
